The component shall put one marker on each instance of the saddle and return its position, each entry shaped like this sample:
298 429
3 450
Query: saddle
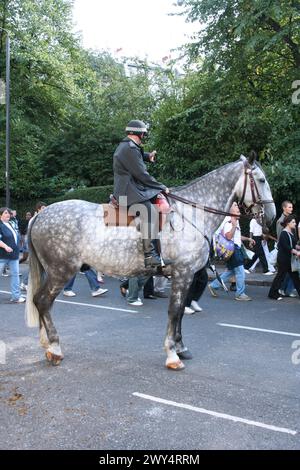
118 216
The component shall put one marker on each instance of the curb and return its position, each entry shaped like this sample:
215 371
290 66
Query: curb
249 281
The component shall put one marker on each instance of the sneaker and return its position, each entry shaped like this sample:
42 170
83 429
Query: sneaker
196 306
268 273
136 303
69 293
188 311
274 297
5 273
212 291
100 278
243 297
99 292
292 294
281 292
18 301
23 286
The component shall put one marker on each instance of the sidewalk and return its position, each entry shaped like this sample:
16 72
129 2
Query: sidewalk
254 279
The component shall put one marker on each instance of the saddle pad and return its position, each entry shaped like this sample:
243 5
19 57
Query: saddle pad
116 216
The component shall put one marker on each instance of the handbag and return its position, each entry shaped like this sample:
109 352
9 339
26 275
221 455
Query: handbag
273 256
295 264
295 260
248 254
223 247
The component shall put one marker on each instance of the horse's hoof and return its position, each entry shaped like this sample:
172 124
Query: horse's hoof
53 358
176 366
185 355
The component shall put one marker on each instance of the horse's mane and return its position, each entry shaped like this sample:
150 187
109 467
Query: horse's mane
204 177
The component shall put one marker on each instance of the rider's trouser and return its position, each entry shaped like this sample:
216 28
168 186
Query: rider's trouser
149 217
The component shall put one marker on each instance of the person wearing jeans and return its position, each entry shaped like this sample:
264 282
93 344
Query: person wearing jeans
239 274
235 264
93 283
135 284
9 254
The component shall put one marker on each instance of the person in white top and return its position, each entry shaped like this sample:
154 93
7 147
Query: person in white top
235 265
256 233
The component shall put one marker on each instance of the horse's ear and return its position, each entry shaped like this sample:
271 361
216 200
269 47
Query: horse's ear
252 157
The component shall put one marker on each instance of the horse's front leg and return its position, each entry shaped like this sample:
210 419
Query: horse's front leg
174 346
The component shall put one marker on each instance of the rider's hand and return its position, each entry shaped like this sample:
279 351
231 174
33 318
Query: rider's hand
152 156
167 190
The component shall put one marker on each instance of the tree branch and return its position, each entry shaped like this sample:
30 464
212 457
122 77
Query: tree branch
292 45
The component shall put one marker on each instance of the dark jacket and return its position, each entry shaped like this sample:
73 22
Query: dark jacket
284 250
131 177
6 236
279 227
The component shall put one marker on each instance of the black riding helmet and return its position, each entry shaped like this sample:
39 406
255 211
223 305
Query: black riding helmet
136 127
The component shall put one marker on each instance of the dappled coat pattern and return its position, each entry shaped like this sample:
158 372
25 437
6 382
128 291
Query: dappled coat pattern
68 234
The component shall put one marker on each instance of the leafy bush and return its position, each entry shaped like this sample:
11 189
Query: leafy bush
98 194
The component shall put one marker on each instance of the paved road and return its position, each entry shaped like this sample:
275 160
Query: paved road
112 391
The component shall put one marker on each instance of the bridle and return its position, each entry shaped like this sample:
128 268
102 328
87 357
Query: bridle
256 198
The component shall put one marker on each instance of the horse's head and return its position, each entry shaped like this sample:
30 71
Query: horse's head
253 191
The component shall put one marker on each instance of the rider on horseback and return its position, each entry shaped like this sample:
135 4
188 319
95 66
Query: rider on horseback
132 180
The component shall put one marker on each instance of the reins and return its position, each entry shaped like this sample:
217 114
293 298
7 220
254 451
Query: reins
211 210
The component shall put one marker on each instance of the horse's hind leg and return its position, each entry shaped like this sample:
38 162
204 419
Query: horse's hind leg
49 339
44 341
174 346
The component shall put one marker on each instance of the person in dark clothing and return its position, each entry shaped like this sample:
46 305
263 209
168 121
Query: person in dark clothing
196 290
134 186
286 246
9 254
256 233
287 286
23 231
149 289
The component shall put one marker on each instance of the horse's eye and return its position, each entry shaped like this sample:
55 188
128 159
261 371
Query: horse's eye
262 180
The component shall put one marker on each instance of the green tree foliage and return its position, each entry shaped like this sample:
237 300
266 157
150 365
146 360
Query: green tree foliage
238 94
83 151
44 65
69 106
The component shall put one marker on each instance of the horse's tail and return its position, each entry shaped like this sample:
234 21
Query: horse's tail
35 277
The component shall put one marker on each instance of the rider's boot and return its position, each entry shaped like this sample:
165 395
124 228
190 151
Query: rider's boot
151 255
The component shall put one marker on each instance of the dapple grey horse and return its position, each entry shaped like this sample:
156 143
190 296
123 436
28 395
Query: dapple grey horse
68 234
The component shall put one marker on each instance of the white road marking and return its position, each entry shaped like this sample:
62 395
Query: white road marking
241 327
97 306
86 305
216 414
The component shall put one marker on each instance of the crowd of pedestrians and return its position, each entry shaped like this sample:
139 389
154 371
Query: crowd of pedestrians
286 283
